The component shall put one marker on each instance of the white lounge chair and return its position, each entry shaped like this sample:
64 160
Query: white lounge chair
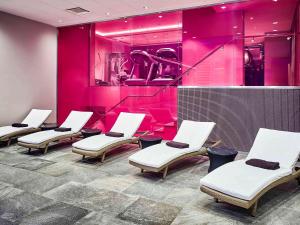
242 185
41 140
34 120
157 158
99 145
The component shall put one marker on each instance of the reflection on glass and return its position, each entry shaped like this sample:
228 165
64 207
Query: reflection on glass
138 51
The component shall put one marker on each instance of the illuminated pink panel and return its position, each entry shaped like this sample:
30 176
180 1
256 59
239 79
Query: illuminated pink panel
277 61
200 38
73 70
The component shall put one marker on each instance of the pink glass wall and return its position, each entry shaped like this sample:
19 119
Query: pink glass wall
205 30
215 33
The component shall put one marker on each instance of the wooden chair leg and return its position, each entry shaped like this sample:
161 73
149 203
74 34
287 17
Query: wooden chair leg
142 170
165 172
8 142
46 149
83 157
103 157
216 200
253 209
29 150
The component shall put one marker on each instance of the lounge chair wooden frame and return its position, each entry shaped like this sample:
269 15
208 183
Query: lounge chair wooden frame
44 145
250 204
164 168
16 134
103 151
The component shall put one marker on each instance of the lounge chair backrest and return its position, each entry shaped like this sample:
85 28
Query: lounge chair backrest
76 120
194 133
36 117
128 123
276 146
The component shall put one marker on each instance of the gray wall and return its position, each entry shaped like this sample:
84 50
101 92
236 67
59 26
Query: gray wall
28 64
240 111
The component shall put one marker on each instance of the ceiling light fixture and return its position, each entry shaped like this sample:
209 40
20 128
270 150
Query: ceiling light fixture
275 22
275 30
140 30
194 37
235 27
185 32
223 7
289 38
108 13
160 16
251 18
275 0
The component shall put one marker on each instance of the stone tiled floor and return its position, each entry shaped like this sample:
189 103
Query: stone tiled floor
59 188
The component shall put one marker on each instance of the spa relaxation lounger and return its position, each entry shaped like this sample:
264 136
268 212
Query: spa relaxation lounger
41 140
242 185
98 145
33 120
158 158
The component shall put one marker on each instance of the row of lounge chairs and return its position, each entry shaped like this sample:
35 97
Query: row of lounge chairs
236 183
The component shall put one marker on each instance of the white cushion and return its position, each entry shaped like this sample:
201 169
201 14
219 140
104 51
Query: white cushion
9 129
276 146
240 180
194 133
40 137
128 123
191 132
97 142
36 117
76 120
158 155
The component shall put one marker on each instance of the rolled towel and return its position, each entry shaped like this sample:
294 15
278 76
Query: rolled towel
114 134
62 129
263 164
176 144
19 125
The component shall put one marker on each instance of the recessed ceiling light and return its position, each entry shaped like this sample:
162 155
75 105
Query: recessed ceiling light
108 13
160 16
155 36
275 0
125 21
251 18
235 27
275 22
145 7
185 32
223 7
238 33
194 37
275 30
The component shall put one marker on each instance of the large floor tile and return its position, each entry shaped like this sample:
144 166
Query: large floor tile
15 208
149 212
34 164
91 198
58 213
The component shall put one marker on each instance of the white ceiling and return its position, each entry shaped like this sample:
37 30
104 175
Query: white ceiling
53 12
